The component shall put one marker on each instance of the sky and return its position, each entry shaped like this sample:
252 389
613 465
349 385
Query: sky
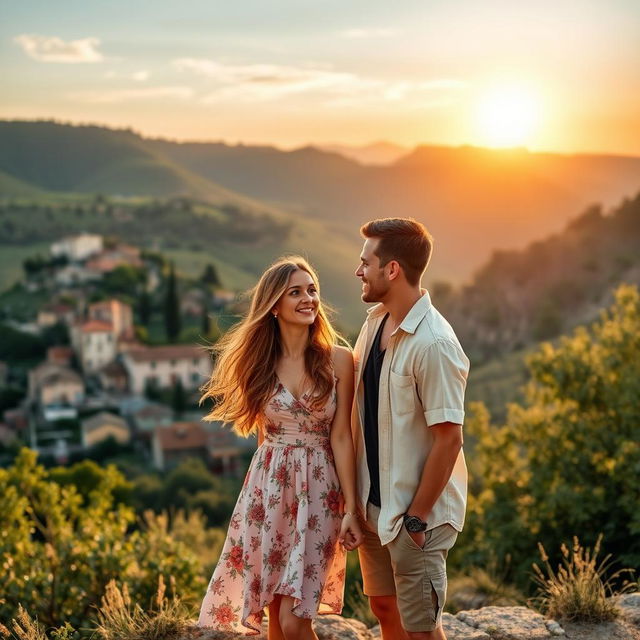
560 75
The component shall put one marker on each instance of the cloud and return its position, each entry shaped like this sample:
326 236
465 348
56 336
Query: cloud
362 33
54 49
128 95
270 82
261 82
138 76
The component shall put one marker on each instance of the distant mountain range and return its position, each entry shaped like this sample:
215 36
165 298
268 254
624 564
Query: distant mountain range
376 153
473 200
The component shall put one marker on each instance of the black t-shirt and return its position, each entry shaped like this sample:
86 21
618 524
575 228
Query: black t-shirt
371 380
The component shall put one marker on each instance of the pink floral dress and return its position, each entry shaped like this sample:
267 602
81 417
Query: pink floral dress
283 534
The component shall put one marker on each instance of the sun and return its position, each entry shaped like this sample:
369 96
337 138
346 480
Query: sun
508 116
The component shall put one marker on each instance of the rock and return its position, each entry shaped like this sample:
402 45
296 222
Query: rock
629 604
554 627
510 623
332 627
195 633
328 627
489 623
457 630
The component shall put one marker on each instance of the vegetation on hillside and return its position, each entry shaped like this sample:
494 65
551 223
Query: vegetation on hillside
61 548
566 460
172 223
522 297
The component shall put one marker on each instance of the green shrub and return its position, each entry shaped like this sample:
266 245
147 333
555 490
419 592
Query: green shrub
60 548
568 456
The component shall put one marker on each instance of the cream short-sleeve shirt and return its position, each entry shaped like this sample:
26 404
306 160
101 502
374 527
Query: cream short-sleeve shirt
422 383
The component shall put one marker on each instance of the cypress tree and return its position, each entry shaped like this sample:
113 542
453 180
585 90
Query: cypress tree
172 318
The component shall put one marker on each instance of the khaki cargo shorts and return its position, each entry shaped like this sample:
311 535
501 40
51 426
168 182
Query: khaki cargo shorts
418 577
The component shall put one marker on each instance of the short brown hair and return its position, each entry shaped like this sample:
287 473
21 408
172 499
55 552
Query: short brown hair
404 240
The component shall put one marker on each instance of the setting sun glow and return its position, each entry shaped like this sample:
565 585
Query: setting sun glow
508 116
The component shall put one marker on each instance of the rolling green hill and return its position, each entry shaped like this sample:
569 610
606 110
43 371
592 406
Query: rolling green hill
89 159
472 200
14 187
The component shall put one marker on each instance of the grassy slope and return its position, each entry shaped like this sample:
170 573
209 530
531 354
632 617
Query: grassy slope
14 187
11 261
334 257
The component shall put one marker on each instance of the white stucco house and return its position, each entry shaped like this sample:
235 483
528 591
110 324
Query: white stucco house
77 247
55 385
164 366
95 344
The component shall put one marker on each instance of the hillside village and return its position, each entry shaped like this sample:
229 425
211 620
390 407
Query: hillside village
102 381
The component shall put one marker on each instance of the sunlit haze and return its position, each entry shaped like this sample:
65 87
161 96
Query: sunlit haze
548 75
508 116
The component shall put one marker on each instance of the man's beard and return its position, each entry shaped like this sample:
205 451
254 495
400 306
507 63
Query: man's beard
375 293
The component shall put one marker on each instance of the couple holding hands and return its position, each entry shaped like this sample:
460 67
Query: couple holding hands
357 449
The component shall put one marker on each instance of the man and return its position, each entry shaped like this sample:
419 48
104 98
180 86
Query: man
411 374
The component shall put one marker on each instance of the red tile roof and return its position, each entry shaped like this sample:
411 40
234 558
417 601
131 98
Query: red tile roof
96 326
168 352
182 435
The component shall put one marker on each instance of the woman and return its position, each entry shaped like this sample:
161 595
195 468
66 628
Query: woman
280 372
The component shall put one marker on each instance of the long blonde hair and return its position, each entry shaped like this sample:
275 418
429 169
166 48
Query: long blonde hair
244 375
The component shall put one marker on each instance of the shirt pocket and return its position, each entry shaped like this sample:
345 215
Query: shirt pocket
402 392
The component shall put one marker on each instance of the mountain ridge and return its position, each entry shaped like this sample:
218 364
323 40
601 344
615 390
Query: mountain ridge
473 200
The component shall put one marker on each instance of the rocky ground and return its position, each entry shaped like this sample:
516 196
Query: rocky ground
488 623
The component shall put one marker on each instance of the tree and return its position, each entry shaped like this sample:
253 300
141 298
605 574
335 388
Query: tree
144 307
33 265
172 318
206 319
56 334
178 398
567 461
210 276
125 279
17 346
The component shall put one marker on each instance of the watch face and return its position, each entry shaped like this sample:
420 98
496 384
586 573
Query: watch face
414 524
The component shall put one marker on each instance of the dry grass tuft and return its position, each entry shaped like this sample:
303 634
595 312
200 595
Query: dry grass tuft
26 628
120 619
580 589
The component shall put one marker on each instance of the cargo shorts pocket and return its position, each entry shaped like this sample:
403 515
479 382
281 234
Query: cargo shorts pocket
406 555
435 594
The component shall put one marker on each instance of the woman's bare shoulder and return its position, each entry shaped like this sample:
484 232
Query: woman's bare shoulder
342 359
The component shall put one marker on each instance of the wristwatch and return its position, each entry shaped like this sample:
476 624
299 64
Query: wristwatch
413 524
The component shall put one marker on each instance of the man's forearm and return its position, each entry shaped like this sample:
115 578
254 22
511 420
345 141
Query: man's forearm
436 472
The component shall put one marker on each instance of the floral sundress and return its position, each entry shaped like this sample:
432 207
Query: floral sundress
283 534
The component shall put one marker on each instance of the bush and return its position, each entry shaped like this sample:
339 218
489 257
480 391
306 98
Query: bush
60 548
567 458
